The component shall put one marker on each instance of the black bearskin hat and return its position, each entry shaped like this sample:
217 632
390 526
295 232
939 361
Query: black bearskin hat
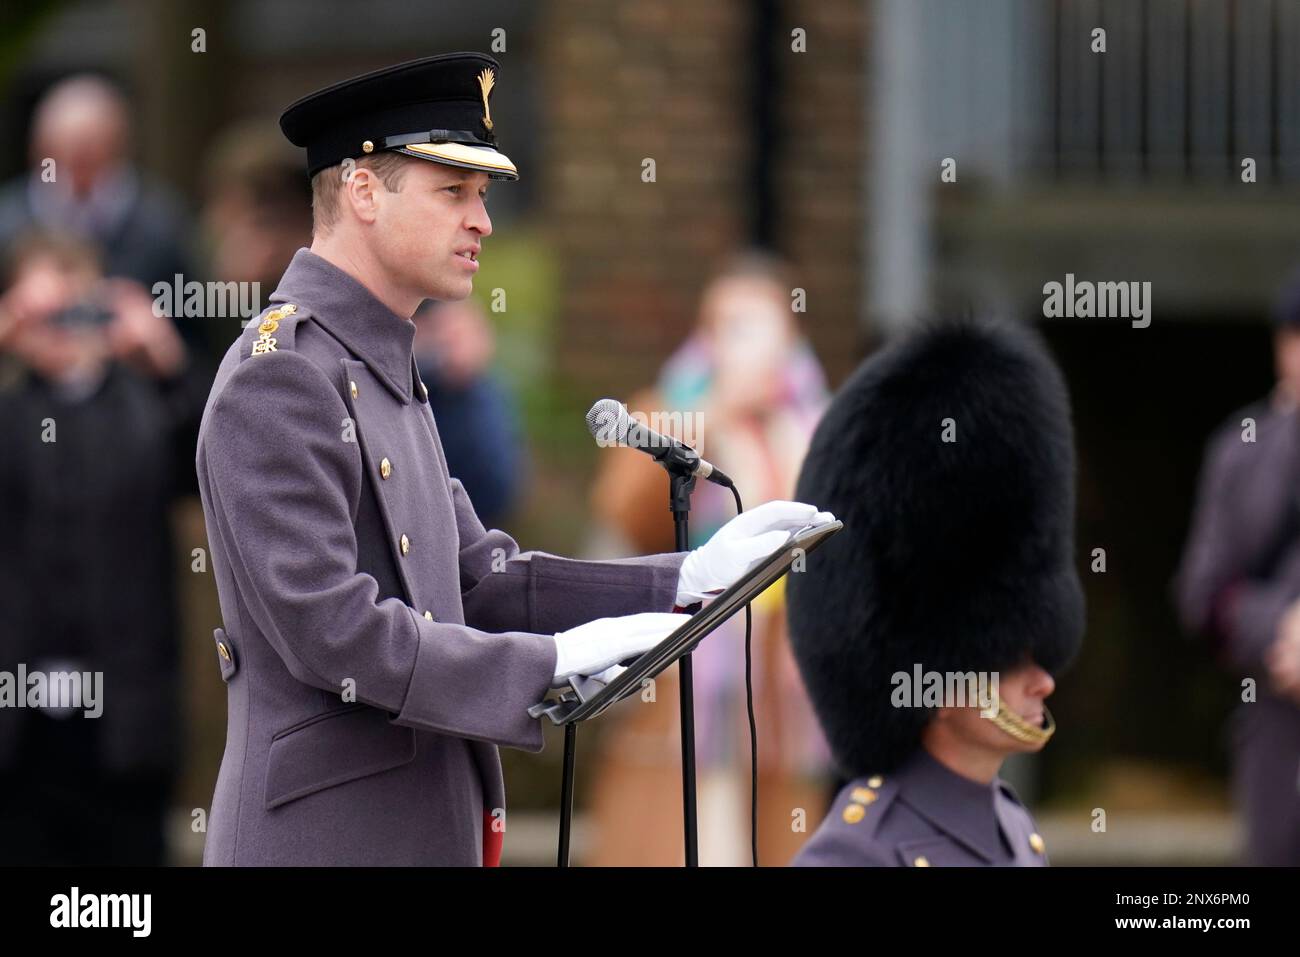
949 456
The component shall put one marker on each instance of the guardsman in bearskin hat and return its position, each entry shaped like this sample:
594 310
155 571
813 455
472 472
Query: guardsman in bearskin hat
949 457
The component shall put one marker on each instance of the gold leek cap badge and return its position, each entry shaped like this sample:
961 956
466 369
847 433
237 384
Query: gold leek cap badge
486 80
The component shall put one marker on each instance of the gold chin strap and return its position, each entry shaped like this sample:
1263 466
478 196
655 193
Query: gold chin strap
1022 730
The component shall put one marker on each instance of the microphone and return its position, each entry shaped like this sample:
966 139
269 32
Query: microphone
609 424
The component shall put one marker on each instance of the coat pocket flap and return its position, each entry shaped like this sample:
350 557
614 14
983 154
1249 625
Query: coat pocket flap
333 748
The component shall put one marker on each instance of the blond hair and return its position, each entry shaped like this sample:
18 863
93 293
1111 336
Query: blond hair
327 185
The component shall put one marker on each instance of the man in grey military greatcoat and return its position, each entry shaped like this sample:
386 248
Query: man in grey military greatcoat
378 642
1239 584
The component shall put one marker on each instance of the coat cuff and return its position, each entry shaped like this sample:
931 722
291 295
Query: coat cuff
476 685
565 593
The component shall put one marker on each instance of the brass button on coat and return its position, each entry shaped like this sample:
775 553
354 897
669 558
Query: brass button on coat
1037 843
429 615
921 861
225 653
385 468
352 386
875 781
854 813
405 543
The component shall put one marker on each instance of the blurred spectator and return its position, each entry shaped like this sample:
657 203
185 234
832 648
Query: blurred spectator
99 408
83 125
453 349
748 385
257 210
1240 582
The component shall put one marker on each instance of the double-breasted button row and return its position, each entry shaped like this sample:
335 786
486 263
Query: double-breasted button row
386 470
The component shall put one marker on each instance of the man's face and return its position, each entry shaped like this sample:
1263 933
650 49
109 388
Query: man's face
1023 691
428 233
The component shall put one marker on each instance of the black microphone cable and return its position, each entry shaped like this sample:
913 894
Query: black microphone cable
753 725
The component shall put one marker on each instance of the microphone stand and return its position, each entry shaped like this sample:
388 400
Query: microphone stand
681 485
681 481
683 464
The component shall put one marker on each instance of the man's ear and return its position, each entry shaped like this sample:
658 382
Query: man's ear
360 184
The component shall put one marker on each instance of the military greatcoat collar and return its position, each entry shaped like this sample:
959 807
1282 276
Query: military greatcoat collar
962 808
350 312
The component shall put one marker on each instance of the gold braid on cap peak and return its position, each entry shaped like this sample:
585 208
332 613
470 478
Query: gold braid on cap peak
1020 729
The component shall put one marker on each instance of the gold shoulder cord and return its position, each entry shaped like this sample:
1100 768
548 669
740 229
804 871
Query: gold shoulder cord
1022 730
265 343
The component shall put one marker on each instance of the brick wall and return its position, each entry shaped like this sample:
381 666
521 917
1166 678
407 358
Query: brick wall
820 195
670 80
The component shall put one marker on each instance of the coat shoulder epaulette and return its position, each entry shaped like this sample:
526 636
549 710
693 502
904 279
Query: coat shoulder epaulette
848 835
273 330
861 804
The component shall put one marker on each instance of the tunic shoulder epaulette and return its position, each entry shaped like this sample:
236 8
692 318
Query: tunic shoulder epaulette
274 330
863 802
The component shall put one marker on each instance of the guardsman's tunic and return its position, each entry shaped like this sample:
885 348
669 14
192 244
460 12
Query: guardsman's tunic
924 815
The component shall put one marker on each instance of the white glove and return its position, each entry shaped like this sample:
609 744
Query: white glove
592 647
609 674
740 545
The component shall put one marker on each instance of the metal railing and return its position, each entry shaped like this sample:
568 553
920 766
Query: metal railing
1185 90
